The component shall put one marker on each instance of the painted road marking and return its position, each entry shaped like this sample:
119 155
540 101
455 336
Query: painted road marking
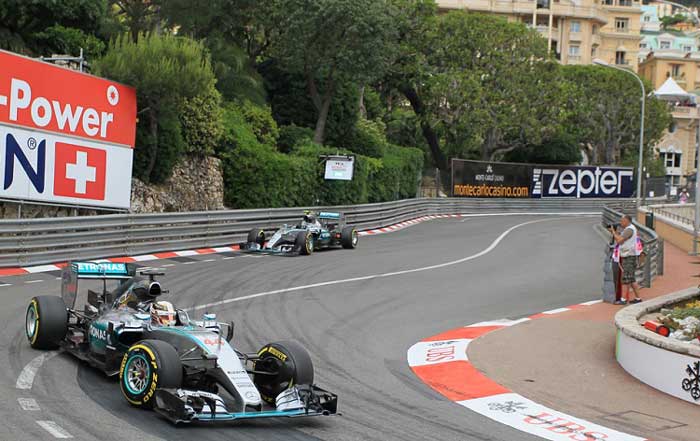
28 404
592 302
209 260
485 251
556 311
228 258
26 377
5 284
527 416
54 429
165 265
34 281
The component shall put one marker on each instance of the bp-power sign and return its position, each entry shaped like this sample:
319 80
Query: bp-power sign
65 137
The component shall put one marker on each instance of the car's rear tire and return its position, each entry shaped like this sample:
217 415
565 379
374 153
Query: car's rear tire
149 365
349 237
292 365
46 322
256 235
304 242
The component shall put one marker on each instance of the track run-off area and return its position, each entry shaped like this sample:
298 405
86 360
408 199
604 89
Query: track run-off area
357 312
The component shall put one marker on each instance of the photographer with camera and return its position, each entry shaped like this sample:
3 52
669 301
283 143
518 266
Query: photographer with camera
627 242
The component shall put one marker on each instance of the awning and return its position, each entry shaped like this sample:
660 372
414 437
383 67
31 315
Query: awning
671 91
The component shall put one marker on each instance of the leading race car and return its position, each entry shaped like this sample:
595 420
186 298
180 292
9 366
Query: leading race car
185 370
314 232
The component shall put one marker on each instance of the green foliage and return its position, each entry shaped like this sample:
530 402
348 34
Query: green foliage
200 117
368 138
334 41
43 27
256 175
291 136
260 121
668 21
288 96
563 148
602 111
236 78
165 70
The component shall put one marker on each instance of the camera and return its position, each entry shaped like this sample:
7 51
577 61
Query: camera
614 226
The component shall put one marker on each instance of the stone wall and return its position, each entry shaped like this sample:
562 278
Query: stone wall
196 184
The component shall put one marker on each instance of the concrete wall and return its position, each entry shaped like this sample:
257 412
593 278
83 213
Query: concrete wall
671 231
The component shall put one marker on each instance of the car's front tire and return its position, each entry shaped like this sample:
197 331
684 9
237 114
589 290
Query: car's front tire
304 242
46 322
149 365
291 365
256 235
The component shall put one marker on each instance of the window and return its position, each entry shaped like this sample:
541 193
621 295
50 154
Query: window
594 29
687 48
574 50
673 159
647 19
664 45
575 26
672 127
622 24
620 57
608 2
642 45
625 3
675 70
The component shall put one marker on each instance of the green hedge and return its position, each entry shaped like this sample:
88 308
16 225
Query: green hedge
256 175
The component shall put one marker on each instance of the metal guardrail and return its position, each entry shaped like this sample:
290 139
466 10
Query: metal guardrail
653 245
40 241
681 213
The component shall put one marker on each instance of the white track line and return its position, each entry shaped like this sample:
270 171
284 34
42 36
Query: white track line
28 404
54 429
26 377
487 250
7 284
34 281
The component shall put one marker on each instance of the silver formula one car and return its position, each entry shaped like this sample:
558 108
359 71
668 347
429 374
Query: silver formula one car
186 370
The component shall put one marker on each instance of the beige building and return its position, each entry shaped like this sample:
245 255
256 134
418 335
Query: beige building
578 31
683 67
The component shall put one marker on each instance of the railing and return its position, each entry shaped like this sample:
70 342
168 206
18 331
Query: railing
653 245
681 213
39 241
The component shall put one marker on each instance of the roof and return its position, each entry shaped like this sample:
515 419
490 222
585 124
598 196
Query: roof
671 91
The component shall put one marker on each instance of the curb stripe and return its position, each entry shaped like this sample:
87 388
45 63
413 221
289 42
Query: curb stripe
439 362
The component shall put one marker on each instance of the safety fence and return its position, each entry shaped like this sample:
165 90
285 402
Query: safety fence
653 245
39 241
683 213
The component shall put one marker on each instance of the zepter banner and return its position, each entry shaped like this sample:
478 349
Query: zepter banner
65 137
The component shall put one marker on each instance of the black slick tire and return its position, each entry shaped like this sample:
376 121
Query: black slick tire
348 238
46 322
291 365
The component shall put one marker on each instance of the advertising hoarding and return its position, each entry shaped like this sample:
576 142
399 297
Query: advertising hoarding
339 168
482 179
65 137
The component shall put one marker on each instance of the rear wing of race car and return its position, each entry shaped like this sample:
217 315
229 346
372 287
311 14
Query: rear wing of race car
327 215
74 271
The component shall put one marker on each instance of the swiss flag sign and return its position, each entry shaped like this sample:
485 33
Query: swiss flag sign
80 172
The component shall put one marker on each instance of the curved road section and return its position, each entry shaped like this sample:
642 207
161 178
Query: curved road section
357 312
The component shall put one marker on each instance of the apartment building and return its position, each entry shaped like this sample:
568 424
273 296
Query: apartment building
577 31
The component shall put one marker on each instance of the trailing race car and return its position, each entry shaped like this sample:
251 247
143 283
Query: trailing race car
328 231
183 369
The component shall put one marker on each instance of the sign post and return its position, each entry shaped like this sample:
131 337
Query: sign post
65 137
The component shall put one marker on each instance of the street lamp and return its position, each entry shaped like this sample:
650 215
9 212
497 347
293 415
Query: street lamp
641 125
696 222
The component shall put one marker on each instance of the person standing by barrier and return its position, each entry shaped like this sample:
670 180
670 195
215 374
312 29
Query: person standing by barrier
627 241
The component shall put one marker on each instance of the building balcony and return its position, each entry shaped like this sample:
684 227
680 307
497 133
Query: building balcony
544 31
684 112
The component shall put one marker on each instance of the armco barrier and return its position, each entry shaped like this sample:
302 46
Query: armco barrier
653 244
39 241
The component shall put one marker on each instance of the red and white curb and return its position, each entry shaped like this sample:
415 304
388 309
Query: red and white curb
185 253
442 363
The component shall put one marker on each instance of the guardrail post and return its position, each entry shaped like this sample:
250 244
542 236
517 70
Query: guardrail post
660 257
647 272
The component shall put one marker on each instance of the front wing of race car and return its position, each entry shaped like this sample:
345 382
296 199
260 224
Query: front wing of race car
253 247
183 406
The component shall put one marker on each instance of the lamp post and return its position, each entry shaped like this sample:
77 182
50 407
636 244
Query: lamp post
696 222
641 126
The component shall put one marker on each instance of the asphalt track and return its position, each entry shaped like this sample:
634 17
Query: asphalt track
357 331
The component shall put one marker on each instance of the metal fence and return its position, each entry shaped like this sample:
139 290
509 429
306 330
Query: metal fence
39 241
653 245
682 213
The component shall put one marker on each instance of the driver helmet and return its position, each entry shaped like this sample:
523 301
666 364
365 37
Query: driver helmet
162 313
309 217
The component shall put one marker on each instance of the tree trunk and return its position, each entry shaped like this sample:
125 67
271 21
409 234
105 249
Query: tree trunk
428 133
320 131
153 129
361 106
489 146
322 105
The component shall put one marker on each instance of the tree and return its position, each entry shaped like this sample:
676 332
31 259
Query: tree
602 108
334 41
139 16
43 27
479 85
669 21
166 71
